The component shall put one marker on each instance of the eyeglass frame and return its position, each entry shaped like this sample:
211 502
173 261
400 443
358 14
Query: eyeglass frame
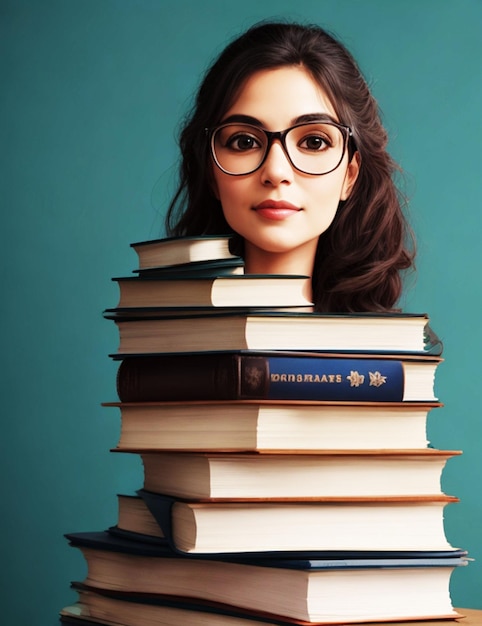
346 131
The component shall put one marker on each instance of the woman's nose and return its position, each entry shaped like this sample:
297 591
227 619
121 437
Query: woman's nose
276 168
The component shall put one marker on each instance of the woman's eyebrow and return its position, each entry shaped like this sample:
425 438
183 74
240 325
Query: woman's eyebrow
306 118
242 119
313 117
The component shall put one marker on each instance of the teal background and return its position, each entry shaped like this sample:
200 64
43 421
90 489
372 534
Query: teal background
92 92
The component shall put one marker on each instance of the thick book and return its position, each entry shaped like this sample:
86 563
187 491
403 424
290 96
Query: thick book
248 425
331 476
250 290
276 376
135 521
174 251
329 590
363 332
384 524
72 616
137 609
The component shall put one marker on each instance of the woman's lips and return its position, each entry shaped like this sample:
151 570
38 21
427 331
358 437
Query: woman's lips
276 209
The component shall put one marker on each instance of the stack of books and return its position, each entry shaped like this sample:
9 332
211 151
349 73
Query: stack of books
287 474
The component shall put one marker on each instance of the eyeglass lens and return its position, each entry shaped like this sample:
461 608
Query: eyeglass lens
314 148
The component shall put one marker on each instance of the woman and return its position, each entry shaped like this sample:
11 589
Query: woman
285 148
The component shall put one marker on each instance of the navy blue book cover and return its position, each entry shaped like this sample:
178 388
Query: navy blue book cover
118 542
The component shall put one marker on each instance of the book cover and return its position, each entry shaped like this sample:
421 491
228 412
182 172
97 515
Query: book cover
276 376
204 269
304 559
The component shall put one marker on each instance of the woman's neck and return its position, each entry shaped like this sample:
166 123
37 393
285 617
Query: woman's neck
297 261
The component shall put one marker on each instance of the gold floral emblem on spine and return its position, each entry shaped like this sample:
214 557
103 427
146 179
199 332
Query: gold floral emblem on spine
376 379
355 379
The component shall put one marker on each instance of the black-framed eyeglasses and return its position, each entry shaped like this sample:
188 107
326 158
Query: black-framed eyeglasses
314 148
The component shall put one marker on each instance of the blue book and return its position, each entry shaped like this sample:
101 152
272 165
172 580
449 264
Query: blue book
249 375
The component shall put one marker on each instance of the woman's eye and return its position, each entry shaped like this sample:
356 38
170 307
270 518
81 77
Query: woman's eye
242 143
314 142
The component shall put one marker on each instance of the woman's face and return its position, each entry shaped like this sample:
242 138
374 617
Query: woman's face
279 211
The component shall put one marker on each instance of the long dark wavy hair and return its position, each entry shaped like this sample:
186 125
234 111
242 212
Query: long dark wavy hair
362 256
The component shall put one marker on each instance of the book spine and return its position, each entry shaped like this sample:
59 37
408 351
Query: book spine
259 377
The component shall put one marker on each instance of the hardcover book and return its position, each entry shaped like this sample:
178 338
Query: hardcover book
200 269
143 610
250 290
250 425
276 376
389 333
135 521
383 524
330 590
173 251
331 476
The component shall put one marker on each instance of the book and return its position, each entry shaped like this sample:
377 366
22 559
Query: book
244 425
384 524
331 476
128 609
312 590
276 376
173 251
155 312
251 290
135 520
70 615
363 332
199 269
